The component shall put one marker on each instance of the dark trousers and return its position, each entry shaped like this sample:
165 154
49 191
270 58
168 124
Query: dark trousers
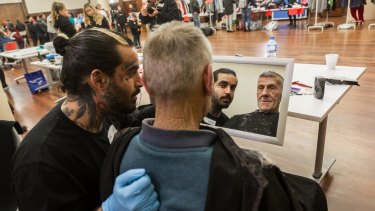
34 38
42 39
136 39
292 22
123 29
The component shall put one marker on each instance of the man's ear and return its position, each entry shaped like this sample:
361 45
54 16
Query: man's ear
145 85
98 80
207 80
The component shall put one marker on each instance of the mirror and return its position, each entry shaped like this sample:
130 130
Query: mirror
248 70
245 100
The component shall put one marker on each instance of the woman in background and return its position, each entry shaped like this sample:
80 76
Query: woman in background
92 18
135 28
358 6
60 19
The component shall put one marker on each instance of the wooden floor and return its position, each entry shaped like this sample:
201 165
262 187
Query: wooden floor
350 184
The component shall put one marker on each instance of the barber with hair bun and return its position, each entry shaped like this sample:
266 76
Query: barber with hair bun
57 165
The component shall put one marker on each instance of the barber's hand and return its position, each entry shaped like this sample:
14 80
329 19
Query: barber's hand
133 191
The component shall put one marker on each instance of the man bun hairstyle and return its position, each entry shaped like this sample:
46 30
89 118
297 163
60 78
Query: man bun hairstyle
91 49
60 42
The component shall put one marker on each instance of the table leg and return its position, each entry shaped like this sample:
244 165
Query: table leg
49 76
24 68
320 148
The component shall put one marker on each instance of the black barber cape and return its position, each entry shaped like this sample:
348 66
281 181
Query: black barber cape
237 181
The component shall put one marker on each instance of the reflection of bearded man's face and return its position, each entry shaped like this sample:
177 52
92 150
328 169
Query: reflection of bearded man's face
269 92
223 92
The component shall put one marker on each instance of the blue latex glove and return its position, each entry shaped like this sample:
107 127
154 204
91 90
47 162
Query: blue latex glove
133 190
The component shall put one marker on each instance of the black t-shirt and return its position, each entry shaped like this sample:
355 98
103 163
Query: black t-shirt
20 27
255 122
57 166
216 121
65 26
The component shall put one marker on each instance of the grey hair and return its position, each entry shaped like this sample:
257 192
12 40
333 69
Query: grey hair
272 74
175 57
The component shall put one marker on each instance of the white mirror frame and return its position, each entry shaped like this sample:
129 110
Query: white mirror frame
288 63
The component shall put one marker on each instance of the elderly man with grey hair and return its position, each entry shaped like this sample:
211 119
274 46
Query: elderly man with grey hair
192 167
264 120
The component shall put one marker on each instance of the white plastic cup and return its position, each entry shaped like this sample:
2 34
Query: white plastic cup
331 61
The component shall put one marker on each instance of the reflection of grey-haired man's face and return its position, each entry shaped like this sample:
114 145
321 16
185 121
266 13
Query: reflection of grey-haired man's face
269 92
224 88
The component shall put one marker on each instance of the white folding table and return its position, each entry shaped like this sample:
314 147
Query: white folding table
23 54
309 108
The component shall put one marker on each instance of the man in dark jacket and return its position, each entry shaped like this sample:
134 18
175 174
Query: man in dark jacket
193 167
41 28
121 20
159 12
32 31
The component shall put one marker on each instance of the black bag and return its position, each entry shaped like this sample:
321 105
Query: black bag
207 31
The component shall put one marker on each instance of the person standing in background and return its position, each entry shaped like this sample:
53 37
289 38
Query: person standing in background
121 20
357 6
92 18
132 8
32 31
9 25
41 28
60 19
228 5
159 12
21 28
52 32
246 16
15 35
104 13
195 9
135 28
292 18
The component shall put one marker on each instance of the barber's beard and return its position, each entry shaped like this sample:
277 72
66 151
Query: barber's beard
118 99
